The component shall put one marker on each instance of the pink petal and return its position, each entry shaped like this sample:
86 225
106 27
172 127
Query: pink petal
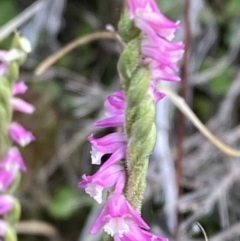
115 104
20 135
6 203
6 178
12 160
108 143
3 69
155 25
117 156
114 121
99 222
19 88
3 228
8 56
22 106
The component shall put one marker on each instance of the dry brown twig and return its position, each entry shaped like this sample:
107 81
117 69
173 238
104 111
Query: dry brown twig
35 227
43 66
203 231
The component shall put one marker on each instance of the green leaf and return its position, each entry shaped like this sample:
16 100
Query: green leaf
9 11
203 107
66 202
221 84
232 7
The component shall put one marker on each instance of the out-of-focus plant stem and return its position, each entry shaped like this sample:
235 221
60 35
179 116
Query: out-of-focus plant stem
43 66
181 118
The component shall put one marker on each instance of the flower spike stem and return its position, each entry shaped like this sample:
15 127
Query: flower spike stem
5 114
140 116
148 57
11 132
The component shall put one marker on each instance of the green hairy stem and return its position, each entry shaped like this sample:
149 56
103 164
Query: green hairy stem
140 112
5 114
126 28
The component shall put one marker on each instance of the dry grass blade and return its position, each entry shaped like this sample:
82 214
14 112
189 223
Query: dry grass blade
181 104
19 20
203 231
33 227
72 45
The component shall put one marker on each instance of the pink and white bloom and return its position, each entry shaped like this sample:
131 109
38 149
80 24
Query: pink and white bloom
117 217
156 95
156 24
120 220
11 163
106 145
162 55
6 203
3 69
135 5
104 178
157 51
19 104
11 55
136 233
115 103
3 228
20 134
13 158
150 20
19 88
22 106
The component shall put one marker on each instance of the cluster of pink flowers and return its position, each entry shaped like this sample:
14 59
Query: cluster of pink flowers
118 218
158 52
12 162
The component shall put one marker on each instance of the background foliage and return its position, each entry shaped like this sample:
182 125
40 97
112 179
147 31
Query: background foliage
69 98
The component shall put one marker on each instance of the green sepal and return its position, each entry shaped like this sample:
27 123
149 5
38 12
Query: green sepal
139 85
140 112
15 183
128 61
10 234
21 43
107 237
4 136
13 216
137 89
13 72
140 148
136 184
144 119
5 98
126 28
137 165
5 114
